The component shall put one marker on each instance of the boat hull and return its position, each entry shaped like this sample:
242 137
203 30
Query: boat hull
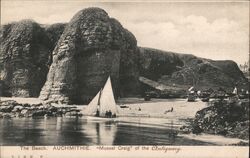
101 119
205 99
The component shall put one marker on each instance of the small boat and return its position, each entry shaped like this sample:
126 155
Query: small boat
243 94
206 99
103 106
191 98
235 91
147 97
191 94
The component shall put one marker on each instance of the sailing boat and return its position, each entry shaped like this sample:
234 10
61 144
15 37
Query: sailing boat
235 91
102 103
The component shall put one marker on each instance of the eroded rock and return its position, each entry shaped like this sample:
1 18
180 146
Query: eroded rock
24 54
92 47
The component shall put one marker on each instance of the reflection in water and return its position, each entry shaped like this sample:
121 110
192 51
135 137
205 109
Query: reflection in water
74 131
45 124
101 133
58 123
107 132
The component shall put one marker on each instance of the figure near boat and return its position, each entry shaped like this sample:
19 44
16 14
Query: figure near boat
167 111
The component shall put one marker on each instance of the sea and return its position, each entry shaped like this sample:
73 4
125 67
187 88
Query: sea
81 131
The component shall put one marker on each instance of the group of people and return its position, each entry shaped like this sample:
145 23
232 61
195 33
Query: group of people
139 109
108 114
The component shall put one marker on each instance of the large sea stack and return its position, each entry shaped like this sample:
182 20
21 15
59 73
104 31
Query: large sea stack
92 47
24 55
54 32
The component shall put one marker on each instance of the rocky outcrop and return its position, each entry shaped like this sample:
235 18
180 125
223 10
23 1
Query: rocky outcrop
225 118
92 47
11 108
184 70
129 67
24 53
54 32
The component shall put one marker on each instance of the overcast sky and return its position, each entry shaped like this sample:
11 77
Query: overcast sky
218 30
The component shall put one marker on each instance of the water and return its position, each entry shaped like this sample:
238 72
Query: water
74 131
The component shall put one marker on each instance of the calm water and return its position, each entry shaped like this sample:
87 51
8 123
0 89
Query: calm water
73 131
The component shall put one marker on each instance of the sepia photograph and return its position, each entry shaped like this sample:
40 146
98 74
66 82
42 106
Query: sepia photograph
124 75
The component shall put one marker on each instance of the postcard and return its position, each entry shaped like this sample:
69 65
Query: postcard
124 79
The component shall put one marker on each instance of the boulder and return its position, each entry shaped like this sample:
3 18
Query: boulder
6 109
24 111
8 103
7 115
73 113
39 113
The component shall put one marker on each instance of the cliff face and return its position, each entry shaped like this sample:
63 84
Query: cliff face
183 70
72 62
89 50
24 52
54 32
156 63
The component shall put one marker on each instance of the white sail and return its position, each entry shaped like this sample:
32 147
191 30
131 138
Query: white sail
191 89
235 91
93 105
103 101
107 100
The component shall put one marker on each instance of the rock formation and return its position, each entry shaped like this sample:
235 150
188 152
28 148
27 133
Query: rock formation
24 52
92 47
78 57
13 109
223 117
54 32
184 70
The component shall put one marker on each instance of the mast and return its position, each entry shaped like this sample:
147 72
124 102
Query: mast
107 100
103 101
99 101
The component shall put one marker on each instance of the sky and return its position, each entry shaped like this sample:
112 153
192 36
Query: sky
216 30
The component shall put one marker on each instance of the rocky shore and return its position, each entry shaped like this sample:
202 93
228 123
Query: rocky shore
227 118
11 108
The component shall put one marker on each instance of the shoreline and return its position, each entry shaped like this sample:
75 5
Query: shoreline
183 112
